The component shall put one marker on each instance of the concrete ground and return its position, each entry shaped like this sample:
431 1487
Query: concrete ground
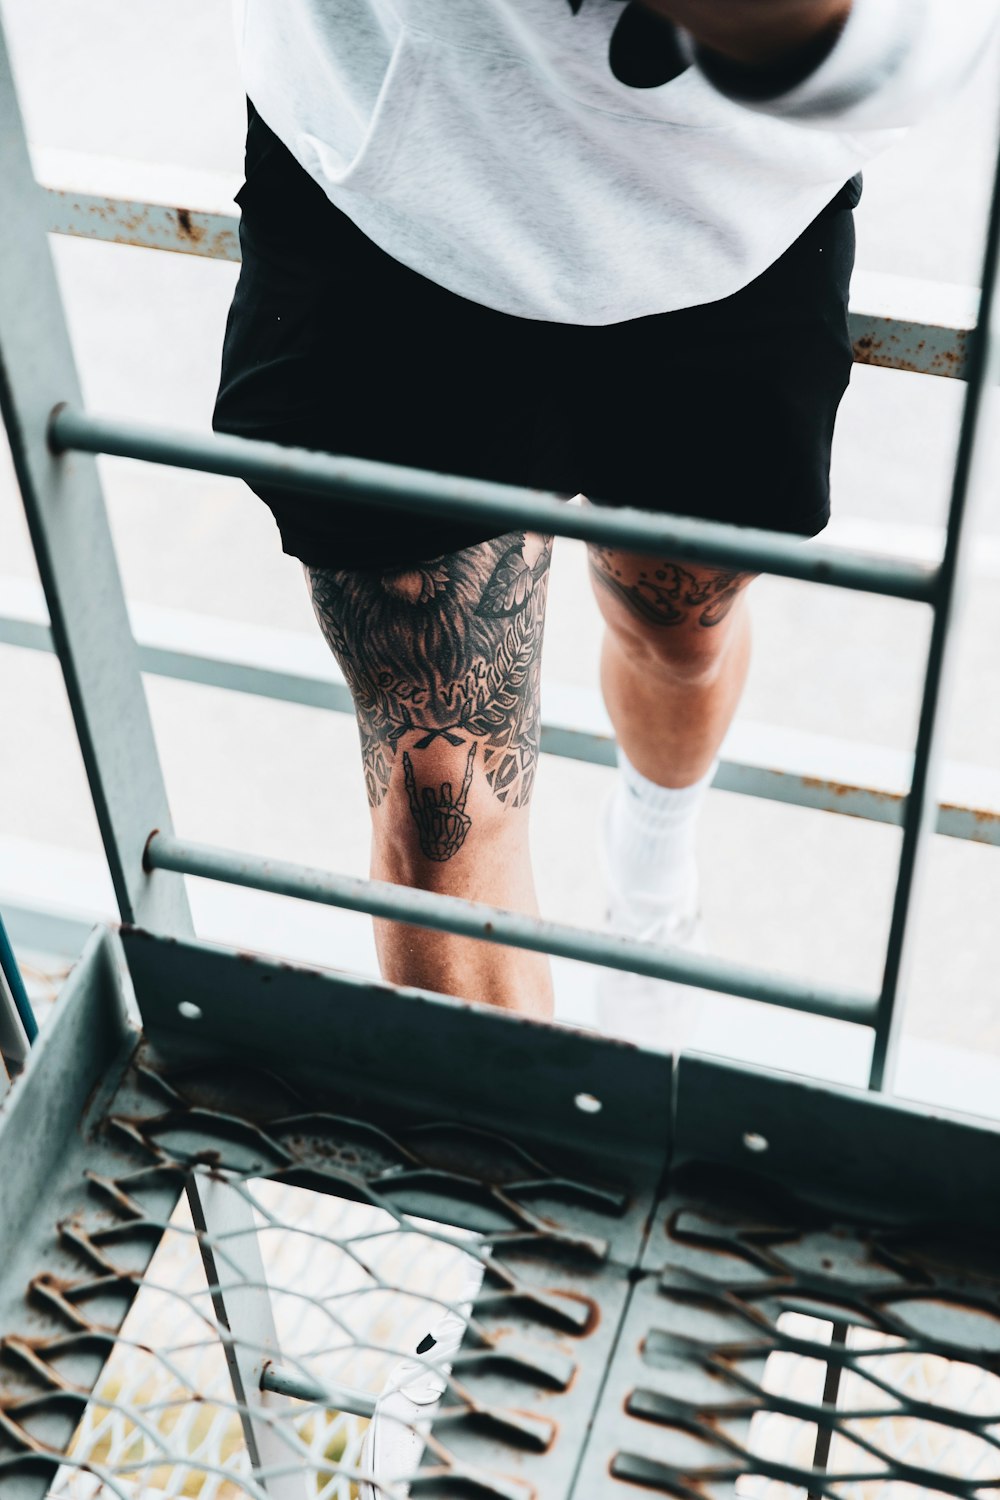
801 893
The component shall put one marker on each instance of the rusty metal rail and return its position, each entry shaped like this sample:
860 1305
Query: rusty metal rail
897 323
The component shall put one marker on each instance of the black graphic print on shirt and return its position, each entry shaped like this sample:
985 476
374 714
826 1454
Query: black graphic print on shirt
645 51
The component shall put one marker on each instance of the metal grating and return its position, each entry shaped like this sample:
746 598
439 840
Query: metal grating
749 1310
649 1298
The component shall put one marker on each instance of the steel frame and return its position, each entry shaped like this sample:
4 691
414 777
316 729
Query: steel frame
817 772
54 441
51 437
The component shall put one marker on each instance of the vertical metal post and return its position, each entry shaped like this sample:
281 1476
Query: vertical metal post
831 1394
72 540
230 1250
18 1027
921 802
73 546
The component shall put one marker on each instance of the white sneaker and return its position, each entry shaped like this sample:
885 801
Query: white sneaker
658 1013
409 1400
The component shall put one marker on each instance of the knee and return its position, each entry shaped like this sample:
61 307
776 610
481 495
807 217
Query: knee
439 821
688 654
679 623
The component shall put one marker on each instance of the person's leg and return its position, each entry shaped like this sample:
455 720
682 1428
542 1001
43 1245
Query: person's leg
443 660
673 665
673 662
736 427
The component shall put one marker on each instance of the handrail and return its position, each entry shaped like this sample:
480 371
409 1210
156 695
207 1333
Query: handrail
896 322
491 924
816 772
338 480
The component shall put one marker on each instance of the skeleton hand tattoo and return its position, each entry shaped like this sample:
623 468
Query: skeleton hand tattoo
442 824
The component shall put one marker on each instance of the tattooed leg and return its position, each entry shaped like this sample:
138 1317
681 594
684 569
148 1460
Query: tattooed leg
443 661
674 659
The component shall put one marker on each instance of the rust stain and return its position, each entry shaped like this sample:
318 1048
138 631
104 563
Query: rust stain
984 817
188 228
593 1311
58 1293
883 352
850 789
531 1416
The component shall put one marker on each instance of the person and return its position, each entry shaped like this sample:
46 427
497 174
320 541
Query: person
586 246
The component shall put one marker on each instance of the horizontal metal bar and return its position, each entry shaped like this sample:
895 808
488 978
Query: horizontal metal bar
902 323
48 931
896 323
151 205
491 924
344 1398
339 480
816 772
150 226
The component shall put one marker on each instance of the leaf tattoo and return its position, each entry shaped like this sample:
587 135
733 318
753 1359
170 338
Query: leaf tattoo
449 650
511 583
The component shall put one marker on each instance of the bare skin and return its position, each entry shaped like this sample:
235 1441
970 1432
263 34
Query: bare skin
443 660
757 33
674 659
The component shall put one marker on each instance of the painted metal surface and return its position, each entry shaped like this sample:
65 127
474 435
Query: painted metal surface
971 477
819 772
18 1027
896 323
901 323
648 1263
492 924
226 1226
338 479
72 541
53 1283
153 226
746 1274
142 203
343 1398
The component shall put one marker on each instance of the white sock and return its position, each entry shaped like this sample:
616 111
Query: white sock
650 837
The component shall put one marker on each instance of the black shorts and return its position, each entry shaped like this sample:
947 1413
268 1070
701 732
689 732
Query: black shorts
723 411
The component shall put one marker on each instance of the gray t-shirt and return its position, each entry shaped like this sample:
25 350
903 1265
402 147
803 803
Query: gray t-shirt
506 150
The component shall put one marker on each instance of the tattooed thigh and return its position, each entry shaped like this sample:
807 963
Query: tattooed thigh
444 653
663 593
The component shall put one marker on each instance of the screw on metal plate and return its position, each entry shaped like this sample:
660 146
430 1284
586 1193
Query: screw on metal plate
589 1104
755 1142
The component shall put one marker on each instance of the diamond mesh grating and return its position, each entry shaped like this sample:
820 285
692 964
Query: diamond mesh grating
622 1328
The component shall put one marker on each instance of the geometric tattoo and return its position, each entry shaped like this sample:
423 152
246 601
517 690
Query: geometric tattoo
449 650
665 594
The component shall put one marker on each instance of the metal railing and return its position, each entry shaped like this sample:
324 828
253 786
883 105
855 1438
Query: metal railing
51 436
